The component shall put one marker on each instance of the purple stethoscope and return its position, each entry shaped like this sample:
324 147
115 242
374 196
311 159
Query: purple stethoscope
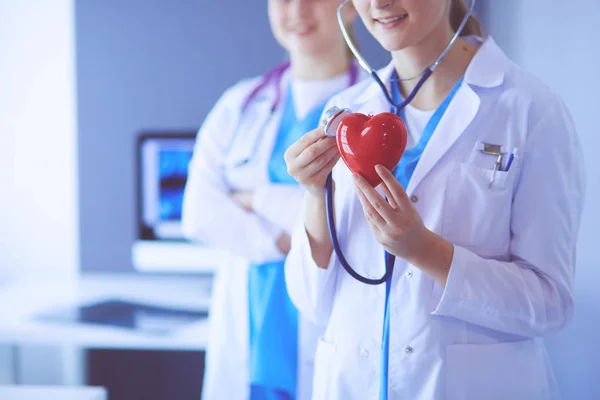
273 77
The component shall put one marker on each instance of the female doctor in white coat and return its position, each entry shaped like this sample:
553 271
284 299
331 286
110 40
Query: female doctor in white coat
239 197
484 246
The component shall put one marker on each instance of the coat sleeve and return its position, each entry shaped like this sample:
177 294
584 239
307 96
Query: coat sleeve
532 295
209 214
313 289
280 204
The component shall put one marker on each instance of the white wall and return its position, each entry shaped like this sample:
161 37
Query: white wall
559 41
38 174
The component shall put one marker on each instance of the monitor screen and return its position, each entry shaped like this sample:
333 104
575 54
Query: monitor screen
162 175
173 167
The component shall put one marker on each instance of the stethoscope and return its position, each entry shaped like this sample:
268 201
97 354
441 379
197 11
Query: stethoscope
334 115
273 77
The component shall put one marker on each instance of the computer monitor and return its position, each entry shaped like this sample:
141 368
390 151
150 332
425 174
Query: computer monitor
162 172
163 160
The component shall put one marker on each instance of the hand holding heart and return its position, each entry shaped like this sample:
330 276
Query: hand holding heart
371 147
362 141
398 227
395 222
311 159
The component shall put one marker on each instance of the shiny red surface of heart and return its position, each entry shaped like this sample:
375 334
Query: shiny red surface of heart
365 141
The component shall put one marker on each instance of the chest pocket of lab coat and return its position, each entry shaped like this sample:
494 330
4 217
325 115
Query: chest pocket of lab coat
476 216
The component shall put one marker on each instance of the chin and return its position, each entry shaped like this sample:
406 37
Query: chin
394 40
308 47
393 43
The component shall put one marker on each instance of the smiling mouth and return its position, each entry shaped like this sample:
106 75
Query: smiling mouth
303 31
390 22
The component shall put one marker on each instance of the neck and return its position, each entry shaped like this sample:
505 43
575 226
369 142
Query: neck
312 67
412 61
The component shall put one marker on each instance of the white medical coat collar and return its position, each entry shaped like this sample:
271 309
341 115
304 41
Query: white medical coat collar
487 69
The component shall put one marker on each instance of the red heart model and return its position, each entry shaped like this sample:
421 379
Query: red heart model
365 141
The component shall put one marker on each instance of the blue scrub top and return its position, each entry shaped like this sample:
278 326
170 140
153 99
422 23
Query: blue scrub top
273 317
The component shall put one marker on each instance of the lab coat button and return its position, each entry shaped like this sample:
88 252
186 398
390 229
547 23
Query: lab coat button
414 198
408 350
364 352
408 274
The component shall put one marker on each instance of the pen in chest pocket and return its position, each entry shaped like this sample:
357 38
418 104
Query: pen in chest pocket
511 158
497 167
494 150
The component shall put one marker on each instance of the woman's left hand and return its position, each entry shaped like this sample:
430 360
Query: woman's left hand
398 227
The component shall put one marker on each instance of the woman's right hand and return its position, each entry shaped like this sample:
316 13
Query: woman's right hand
311 159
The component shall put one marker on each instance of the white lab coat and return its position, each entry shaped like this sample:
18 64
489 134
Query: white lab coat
210 216
511 278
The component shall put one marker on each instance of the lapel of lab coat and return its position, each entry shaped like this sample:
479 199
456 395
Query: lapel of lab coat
486 70
255 129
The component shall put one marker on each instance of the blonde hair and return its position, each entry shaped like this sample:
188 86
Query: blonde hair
458 10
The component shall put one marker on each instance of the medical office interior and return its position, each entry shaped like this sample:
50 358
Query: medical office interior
100 297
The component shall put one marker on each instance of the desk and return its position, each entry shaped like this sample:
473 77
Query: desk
176 257
51 393
21 301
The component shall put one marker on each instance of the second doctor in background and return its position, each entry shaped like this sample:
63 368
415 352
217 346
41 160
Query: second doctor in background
485 246
239 197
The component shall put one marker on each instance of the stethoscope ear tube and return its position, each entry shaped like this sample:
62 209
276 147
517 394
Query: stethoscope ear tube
389 258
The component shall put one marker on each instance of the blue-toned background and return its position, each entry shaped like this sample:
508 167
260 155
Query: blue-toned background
558 42
153 65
